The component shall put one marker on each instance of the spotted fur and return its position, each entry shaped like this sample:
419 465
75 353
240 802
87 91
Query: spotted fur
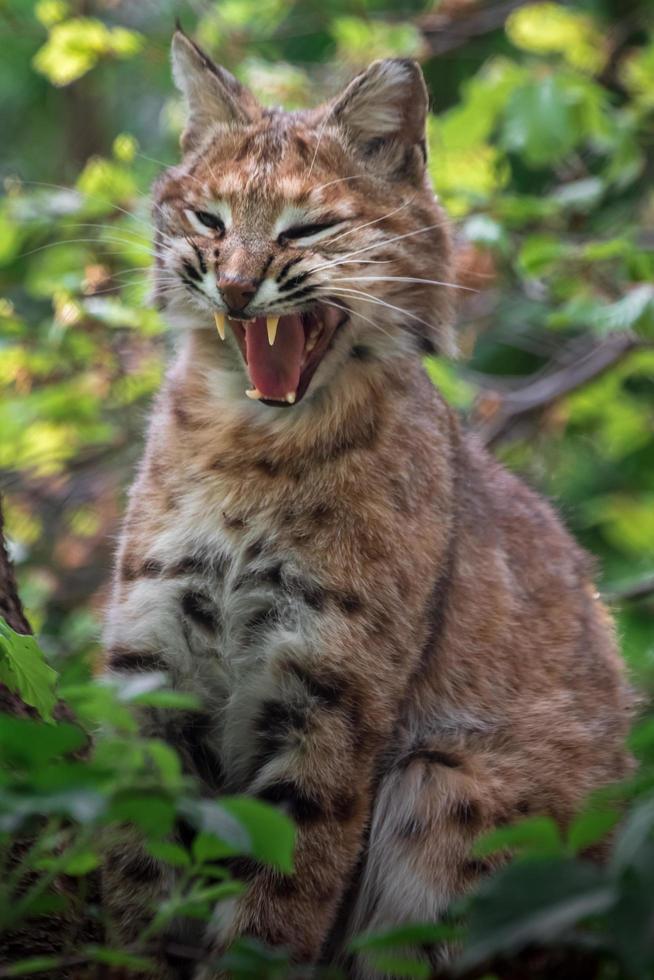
392 637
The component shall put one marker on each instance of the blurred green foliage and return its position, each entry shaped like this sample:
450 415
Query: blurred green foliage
542 149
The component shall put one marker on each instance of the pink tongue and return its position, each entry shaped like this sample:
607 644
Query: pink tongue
275 371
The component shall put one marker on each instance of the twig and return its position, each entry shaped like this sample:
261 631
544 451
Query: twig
550 386
446 33
642 589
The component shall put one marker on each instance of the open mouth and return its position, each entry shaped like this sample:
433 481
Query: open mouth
282 353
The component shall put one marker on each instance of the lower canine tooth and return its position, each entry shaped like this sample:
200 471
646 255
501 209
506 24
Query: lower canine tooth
271 326
253 393
290 398
220 324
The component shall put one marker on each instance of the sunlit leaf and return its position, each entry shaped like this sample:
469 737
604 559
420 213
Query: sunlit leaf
24 670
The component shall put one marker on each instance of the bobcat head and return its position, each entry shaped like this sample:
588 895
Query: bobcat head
304 238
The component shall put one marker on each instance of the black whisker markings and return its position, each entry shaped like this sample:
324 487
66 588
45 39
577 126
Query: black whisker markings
200 258
294 281
266 266
192 285
197 607
191 271
307 291
289 265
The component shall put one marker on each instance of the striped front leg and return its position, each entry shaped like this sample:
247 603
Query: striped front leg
314 734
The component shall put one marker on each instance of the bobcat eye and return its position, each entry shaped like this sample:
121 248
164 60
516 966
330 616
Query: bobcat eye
302 233
210 220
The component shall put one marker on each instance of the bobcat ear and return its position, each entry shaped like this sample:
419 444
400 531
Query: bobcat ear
211 93
383 113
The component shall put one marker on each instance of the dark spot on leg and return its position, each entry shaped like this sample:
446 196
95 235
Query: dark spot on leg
192 741
197 607
344 807
141 869
302 807
186 566
277 721
466 813
432 756
326 688
262 619
361 353
254 550
233 523
349 603
135 661
475 868
313 595
410 829
262 576
321 513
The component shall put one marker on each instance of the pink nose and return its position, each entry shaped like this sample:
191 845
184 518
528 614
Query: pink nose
237 292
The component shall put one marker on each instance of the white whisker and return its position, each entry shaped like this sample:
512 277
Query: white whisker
375 221
380 302
430 282
384 241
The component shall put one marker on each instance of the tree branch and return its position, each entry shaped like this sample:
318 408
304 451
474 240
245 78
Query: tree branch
496 412
643 589
446 32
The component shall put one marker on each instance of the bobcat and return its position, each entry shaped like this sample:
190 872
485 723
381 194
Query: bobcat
393 638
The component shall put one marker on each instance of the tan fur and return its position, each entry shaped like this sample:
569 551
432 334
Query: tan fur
392 636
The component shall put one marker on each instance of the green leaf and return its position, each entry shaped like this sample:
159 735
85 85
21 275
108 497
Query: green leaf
540 121
398 966
32 743
532 901
76 45
405 935
241 825
634 835
634 311
25 672
169 852
152 812
271 832
590 827
535 836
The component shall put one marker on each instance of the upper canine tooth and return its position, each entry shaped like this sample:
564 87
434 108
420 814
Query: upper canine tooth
290 398
253 393
220 324
271 326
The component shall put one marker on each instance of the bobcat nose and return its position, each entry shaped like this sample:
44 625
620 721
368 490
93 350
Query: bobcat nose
237 292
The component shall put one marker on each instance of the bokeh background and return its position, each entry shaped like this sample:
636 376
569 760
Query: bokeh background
541 147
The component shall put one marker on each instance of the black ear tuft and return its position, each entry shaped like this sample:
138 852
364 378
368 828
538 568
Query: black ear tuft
383 113
212 93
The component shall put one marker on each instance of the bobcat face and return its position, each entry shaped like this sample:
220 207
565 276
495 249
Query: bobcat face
302 237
